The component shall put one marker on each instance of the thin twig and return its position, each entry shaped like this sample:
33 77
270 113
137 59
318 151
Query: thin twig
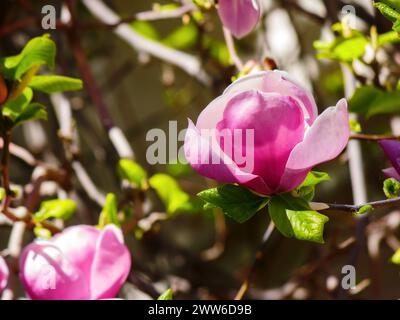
230 44
373 137
257 258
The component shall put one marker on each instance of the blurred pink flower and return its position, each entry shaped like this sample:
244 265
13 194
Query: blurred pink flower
4 273
239 16
392 151
289 138
81 263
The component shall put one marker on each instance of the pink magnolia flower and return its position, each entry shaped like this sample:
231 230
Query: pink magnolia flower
239 16
392 150
81 263
289 138
4 273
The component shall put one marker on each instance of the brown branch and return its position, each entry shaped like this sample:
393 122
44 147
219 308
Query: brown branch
373 137
350 208
257 258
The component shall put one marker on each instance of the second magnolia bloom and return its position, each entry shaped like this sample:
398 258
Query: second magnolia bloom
81 263
289 136
239 16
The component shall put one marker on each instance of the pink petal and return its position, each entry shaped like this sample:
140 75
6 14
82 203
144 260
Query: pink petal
278 125
111 264
239 16
391 173
324 141
4 273
78 243
208 160
279 82
213 113
48 275
392 150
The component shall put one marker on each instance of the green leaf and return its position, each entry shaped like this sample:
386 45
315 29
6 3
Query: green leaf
34 111
342 49
37 52
167 295
133 173
391 188
307 225
307 189
292 217
277 212
365 209
13 108
237 202
145 29
388 37
50 84
315 177
387 11
355 126
170 193
217 50
184 37
60 209
396 257
179 169
372 101
109 214
393 3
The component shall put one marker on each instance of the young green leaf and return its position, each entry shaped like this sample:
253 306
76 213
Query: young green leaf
133 173
50 84
145 29
170 193
277 212
33 111
237 202
372 101
307 225
315 177
365 209
60 209
13 108
396 257
184 37
167 295
37 52
109 214
391 188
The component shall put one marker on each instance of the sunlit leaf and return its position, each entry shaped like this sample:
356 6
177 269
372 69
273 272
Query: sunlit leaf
60 209
50 84
237 202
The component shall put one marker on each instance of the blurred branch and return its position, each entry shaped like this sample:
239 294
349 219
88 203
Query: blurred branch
232 50
373 137
116 136
257 258
186 62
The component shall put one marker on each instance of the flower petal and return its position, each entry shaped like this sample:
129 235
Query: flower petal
239 16
78 243
48 275
111 264
279 82
4 273
391 173
208 160
324 141
277 123
392 150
